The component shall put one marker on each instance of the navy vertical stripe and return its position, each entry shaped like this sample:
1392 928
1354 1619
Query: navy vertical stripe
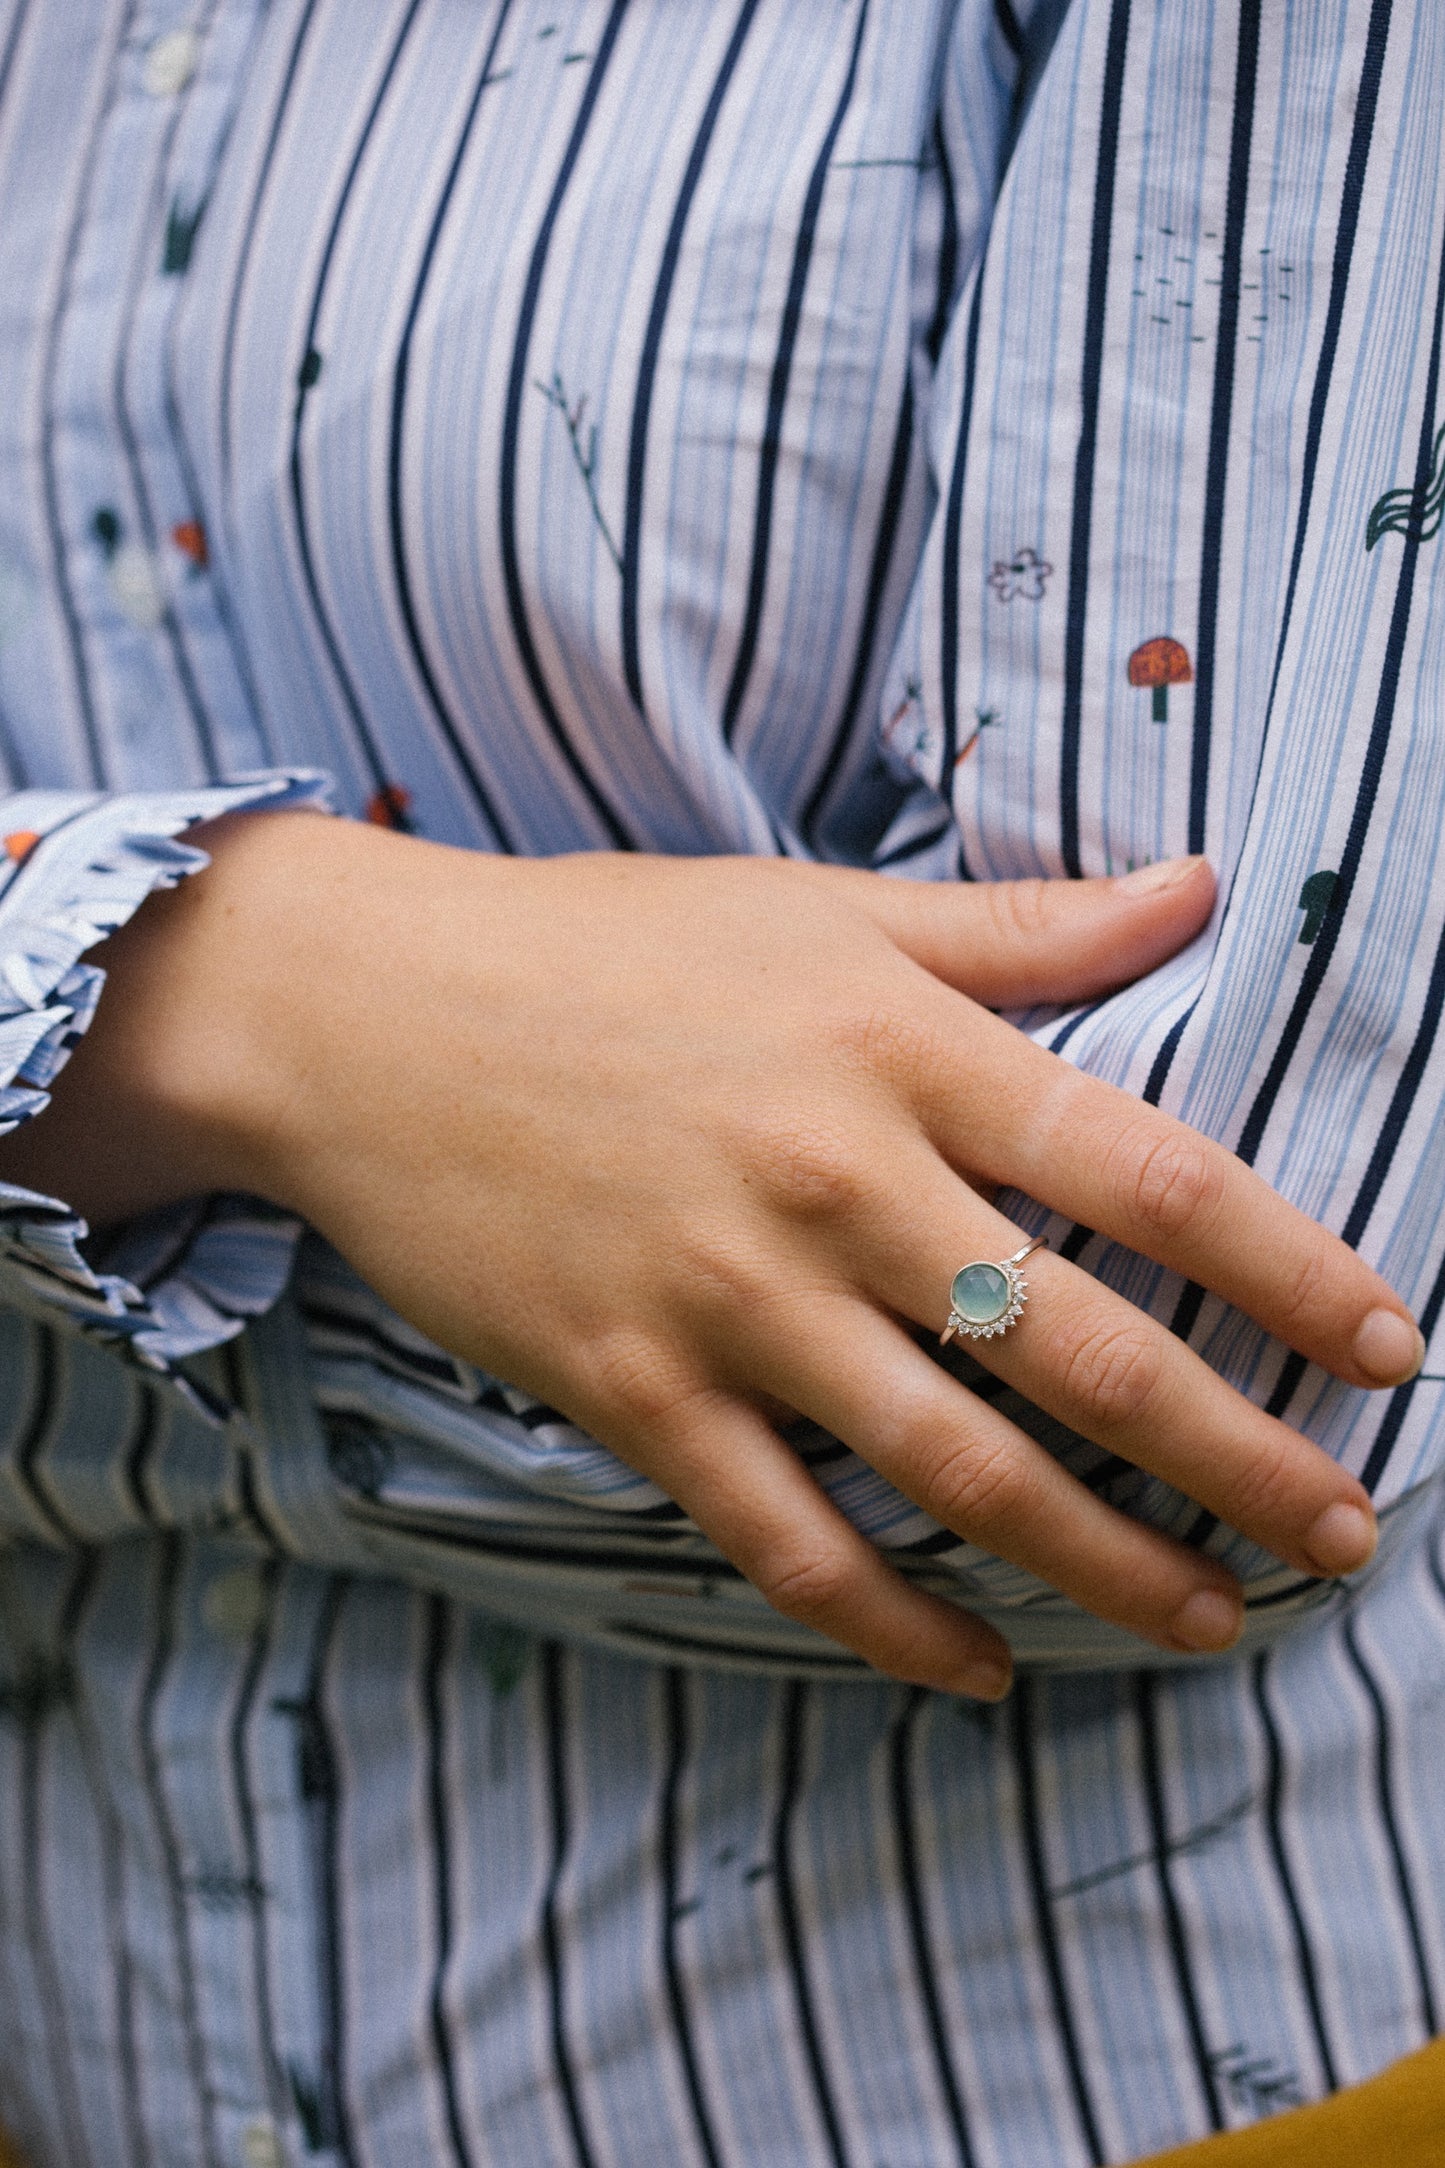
1160 1846
43 1402
952 525
778 393
902 1746
555 1718
433 1684
947 250
114 1847
865 657
247 1820
1371 767
652 343
1400 1399
1389 1822
674 1691
225 430
451 731
1276 1777
1024 1716
511 430
37 1714
1246 70
361 726
792 1718
142 272
1071 726
62 543
168 1599
1371 69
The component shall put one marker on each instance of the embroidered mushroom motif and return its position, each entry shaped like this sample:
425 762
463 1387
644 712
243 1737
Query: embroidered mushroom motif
190 539
1160 663
20 843
387 807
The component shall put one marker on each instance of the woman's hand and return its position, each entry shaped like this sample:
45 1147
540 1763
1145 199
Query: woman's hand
674 1144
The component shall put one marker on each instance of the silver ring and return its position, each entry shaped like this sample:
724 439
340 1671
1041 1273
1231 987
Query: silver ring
987 1298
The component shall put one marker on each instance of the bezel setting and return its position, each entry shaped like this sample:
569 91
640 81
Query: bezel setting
1010 1309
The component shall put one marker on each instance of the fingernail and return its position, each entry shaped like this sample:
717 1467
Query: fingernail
1389 1347
1209 1619
1168 873
1343 1539
982 1679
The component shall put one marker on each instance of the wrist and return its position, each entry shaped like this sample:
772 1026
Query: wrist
165 1095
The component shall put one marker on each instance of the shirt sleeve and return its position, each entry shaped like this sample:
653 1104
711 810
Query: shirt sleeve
74 868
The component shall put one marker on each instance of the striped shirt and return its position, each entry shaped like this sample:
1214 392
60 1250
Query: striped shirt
957 439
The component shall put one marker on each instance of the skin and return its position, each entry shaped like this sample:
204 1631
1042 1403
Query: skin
682 1145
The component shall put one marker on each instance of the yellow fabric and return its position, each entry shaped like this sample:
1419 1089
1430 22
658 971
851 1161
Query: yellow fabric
1397 2120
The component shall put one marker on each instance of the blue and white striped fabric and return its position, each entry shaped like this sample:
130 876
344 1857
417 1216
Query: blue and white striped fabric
947 437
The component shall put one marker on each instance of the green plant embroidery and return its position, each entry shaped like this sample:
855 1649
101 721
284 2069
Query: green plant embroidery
181 230
1315 899
584 456
1398 513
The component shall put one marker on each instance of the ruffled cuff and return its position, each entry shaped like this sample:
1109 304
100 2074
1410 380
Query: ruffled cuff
73 869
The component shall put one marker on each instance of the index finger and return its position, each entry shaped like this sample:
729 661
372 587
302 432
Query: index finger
1115 1164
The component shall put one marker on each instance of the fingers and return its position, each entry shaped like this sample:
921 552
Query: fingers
1123 1380
1008 944
1109 1162
750 1494
976 1473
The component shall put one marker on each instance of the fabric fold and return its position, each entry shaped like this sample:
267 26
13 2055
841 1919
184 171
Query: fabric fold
75 868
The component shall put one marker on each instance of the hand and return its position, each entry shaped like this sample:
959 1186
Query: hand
674 1144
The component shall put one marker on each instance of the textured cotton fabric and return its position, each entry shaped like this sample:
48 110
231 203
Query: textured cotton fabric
953 439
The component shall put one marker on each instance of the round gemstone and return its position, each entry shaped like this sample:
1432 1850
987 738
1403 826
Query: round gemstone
981 1294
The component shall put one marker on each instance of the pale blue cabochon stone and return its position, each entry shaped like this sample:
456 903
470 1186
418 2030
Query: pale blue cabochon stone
981 1293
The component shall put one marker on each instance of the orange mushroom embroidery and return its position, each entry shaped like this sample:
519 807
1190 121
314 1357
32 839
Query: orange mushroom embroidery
190 539
1160 663
387 807
20 843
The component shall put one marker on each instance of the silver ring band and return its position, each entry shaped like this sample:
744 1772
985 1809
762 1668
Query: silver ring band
987 1296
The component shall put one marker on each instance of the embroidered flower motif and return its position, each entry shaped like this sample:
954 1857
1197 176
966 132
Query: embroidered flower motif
135 582
1024 576
170 63
135 577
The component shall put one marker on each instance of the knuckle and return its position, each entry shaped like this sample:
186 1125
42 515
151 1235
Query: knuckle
639 1380
1260 1490
712 1276
1020 911
808 1170
887 1041
978 1489
1112 1373
1171 1182
1300 1299
815 1588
